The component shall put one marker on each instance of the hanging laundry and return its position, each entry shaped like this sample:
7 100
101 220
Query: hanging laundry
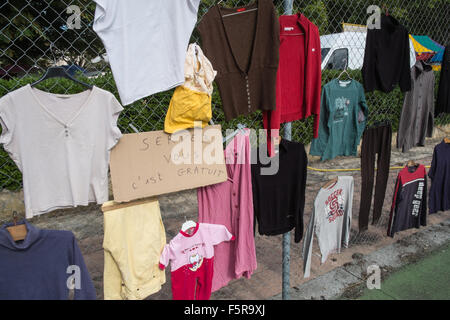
343 117
279 196
331 221
230 203
439 174
376 141
443 98
61 144
192 101
192 260
417 118
409 204
40 267
299 74
134 238
146 43
387 57
242 44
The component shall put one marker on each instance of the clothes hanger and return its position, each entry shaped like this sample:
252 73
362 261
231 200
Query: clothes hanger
188 224
329 183
239 12
240 129
18 232
58 72
345 71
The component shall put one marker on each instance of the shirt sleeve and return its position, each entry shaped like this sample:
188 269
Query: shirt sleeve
84 289
100 15
114 133
307 244
319 144
432 170
6 121
218 233
166 255
423 209
364 109
405 77
347 225
299 217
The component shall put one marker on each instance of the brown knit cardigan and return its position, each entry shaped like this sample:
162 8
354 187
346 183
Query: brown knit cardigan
244 49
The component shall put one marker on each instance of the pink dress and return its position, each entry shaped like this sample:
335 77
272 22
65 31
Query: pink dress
230 203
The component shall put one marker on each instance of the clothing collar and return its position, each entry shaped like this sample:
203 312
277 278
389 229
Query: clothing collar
422 67
32 236
193 233
389 23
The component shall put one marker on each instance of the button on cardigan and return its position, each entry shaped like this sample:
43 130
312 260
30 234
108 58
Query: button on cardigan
243 48
279 199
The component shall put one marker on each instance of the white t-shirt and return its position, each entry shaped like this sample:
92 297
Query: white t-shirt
61 144
331 219
146 43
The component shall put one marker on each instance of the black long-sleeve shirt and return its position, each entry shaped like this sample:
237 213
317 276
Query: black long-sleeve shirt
279 195
409 206
387 57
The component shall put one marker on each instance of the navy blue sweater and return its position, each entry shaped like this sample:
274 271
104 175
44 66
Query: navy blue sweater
37 268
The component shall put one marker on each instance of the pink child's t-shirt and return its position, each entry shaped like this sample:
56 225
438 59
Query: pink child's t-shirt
191 249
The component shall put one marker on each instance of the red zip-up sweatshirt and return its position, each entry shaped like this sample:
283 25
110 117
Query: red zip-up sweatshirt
299 74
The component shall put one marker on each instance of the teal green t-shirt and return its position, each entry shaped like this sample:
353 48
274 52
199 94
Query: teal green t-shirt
343 114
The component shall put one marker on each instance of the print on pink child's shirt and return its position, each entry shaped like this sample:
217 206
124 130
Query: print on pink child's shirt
194 257
335 205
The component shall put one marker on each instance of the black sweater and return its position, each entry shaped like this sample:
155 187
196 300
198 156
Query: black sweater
279 199
387 57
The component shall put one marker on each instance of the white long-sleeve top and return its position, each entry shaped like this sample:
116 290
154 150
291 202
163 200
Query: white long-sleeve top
331 219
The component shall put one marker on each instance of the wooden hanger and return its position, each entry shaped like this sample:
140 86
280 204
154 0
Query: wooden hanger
329 183
18 232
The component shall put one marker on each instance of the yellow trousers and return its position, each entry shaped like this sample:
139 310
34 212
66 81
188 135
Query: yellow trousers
134 238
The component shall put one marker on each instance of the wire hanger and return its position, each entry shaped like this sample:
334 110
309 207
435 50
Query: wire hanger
188 224
18 232
240 129
235 13
58 72
345 71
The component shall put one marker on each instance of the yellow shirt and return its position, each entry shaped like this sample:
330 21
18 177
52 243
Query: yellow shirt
192 101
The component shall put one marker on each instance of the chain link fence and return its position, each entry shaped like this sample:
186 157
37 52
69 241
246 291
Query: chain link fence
36 34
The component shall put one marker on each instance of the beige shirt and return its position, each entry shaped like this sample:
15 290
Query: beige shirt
198 70
61 144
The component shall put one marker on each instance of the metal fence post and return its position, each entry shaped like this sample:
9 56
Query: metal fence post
288 6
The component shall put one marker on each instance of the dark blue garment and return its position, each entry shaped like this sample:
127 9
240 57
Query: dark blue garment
440 178
36 268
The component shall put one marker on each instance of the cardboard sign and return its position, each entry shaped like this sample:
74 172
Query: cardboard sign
152 163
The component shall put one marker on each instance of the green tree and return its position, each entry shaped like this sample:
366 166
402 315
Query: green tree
29 27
